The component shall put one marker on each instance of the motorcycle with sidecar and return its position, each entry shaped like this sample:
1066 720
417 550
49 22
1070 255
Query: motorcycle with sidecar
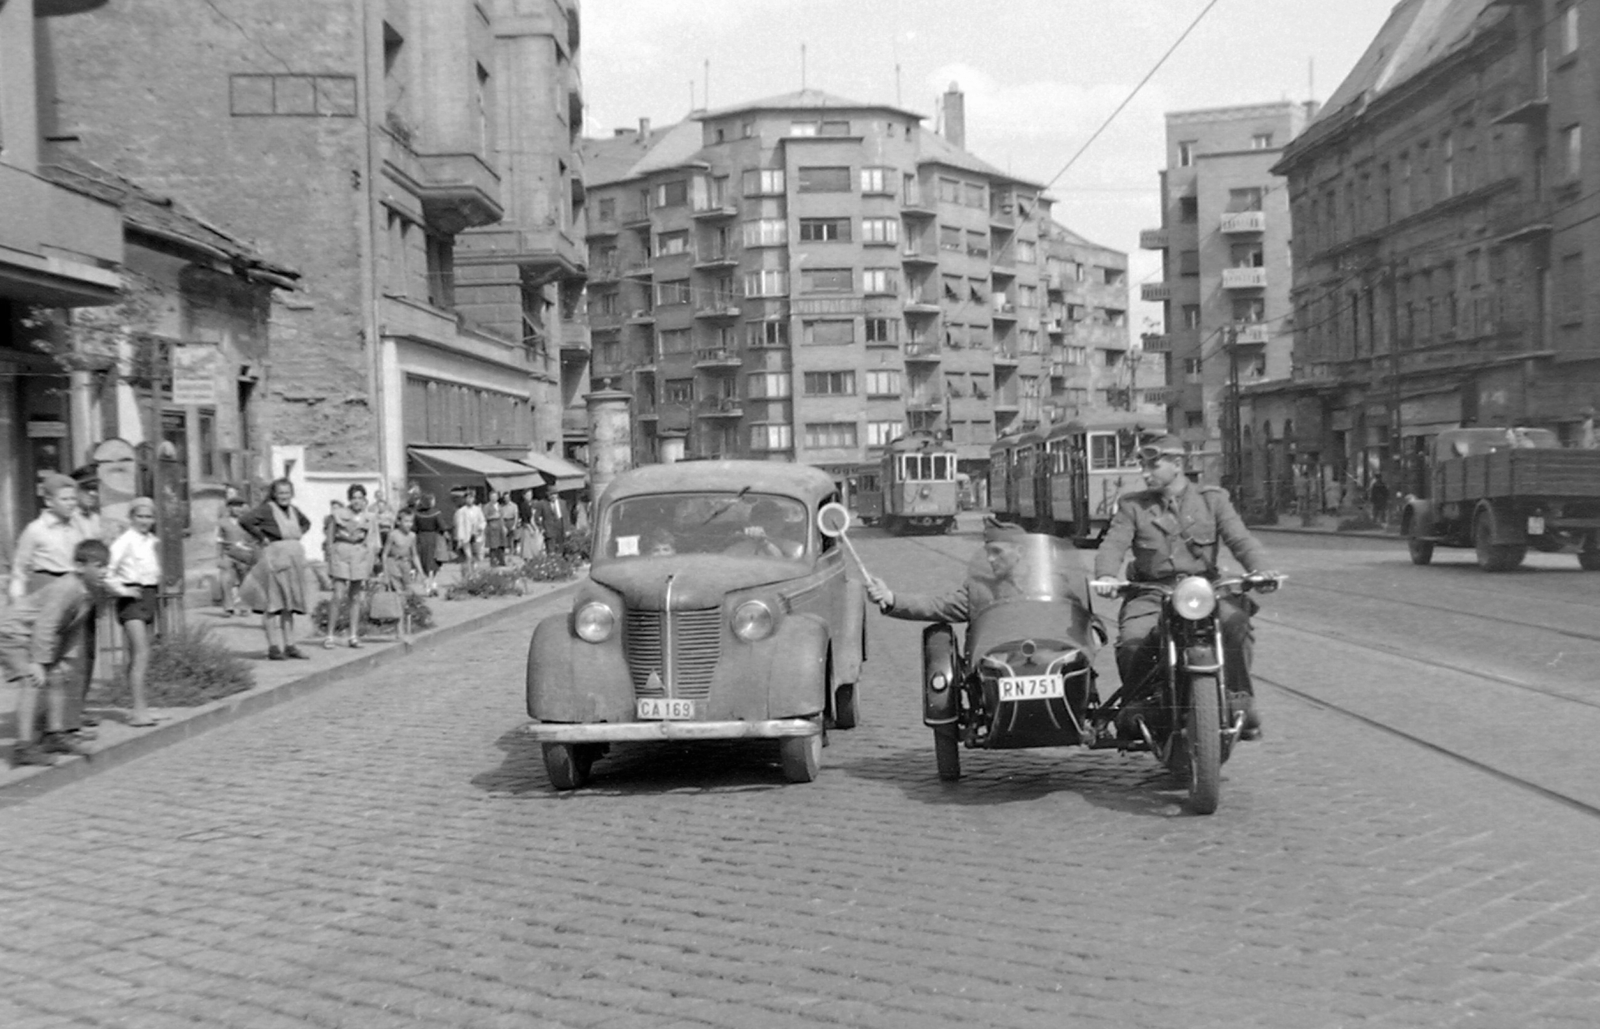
1025 676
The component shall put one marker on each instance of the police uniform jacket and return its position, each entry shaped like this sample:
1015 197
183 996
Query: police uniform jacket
1176 536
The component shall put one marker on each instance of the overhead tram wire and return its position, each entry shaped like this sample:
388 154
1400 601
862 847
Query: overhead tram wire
1135 92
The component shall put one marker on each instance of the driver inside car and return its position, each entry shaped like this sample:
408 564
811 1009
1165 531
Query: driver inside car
1174 527
1002 548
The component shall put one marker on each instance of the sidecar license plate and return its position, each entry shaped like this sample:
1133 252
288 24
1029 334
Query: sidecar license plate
665 709
1031 687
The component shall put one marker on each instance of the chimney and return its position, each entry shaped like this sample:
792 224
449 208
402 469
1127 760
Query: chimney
955 116
1312 107
644 130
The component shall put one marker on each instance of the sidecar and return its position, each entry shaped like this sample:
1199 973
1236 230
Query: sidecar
1024 676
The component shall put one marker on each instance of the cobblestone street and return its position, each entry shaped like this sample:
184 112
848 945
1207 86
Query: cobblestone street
388 853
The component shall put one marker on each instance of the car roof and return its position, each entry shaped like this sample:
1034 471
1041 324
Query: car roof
801 481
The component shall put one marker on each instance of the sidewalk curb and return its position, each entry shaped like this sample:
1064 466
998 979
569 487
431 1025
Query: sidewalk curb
1353 534
230 709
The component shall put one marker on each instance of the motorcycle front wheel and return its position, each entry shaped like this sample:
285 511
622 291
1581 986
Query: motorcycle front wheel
947 752
1203 744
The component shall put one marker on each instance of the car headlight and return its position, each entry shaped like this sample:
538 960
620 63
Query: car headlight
1194 598
595 622
752 621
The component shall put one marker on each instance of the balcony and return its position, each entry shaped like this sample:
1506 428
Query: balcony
718 307
721 407
1055 327
717 357
708 209
607 271
1152 239
925 401
636 219
458 191
1524 219
1004 355
1060 370
600 228
1003 310
1244 278
1004 263
912 205
1155 291
1003 215
1156 343
1244 221
1527 109
1161 395
575 423
642 316
715 259
915 255
60 247
574 338
922 351
922 303
546 255
638 268
1252 333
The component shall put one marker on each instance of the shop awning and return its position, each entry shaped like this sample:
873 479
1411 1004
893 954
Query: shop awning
563 474
463 466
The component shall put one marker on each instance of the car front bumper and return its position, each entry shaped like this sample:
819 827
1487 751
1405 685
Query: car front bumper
626 732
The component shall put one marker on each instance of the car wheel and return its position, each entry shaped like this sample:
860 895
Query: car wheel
846 708
568 764
801 757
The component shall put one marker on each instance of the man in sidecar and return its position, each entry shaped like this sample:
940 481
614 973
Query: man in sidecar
1174 527
999 581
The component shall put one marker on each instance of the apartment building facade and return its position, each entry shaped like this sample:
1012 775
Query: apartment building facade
1224 238
59 249
361 142
1442 210
807 277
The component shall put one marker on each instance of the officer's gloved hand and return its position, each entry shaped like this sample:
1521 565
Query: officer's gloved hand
880 593
1107 586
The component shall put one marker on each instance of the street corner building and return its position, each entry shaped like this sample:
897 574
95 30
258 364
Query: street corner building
808 277
405 160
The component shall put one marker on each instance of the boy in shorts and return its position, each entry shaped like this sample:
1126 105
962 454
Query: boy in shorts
42 647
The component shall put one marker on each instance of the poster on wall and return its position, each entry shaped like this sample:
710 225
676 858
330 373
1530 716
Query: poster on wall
194 374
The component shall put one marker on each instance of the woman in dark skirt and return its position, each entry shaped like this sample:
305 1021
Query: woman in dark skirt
430 529
276 586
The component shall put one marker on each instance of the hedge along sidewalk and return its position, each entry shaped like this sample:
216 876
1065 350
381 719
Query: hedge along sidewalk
276 682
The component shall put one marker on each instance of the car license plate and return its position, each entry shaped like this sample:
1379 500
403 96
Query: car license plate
665 709
1031 687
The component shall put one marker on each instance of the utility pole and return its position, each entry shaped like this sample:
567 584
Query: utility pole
1397 471
1235 445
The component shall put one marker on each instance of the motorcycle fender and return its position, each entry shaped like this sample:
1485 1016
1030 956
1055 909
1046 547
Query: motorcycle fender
1201 659
940 656
569 680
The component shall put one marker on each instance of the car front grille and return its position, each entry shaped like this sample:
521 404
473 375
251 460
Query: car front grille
696 645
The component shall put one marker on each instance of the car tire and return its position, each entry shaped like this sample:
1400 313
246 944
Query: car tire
568 764
801 757
846 707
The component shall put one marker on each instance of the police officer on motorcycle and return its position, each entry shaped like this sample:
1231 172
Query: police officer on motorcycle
1174 528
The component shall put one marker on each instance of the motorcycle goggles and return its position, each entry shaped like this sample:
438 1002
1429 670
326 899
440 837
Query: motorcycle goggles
1151 455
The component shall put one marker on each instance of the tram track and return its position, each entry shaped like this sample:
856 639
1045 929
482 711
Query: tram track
1453 753
1496 619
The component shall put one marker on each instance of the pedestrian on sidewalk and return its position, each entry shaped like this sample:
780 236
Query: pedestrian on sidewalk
551 526
512 517
1378 493
432 547
402 563
276 585
494 534
44 549
43 649
350 559
235 554
134 577
470 527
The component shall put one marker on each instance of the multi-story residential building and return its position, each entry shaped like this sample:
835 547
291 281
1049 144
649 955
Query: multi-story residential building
807 277
361 142
1444 215
1092 368
59 248
1224 239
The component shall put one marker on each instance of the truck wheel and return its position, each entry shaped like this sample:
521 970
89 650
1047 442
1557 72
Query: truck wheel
1421 550
947 752
1494 557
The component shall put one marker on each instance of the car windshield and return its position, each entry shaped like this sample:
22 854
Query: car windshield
734 523
1024 567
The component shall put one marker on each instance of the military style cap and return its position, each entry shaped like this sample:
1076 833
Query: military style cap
996 531
1159 446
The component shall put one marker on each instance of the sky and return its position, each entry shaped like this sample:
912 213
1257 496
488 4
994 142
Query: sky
1040 76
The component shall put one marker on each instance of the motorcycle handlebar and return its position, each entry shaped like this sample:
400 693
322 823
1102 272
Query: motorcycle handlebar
1260 582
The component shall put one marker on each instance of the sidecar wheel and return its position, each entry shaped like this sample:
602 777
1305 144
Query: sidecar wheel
947 752
1204 744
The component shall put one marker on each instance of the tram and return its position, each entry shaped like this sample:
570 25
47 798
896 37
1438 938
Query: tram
918 484
1065 480
861 490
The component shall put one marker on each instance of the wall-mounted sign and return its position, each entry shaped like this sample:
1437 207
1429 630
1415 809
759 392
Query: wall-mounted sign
194 374
47 430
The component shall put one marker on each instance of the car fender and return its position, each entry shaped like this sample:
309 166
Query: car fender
796 672
569 680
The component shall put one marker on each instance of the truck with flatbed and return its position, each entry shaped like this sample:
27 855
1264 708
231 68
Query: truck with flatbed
1501 491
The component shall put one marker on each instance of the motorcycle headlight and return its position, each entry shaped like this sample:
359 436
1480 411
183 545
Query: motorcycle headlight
753 621
1194 598
595 622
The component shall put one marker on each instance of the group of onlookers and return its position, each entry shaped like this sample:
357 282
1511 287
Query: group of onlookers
61 573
